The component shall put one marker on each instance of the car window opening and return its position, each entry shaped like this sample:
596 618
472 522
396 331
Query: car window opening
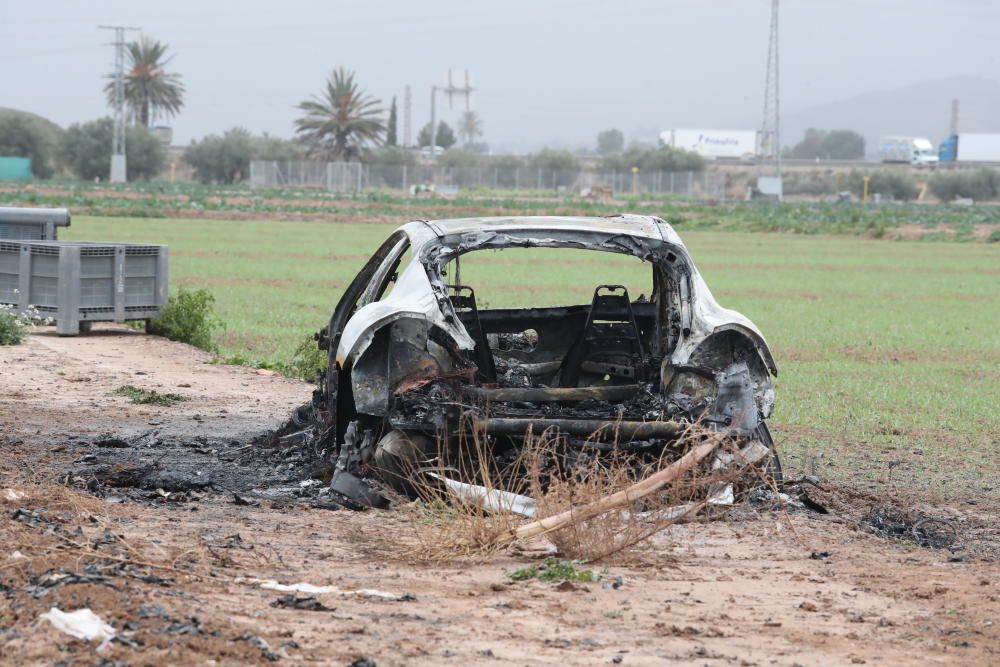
558 317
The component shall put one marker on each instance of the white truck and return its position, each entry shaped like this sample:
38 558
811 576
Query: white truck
917 151
711 144
966 147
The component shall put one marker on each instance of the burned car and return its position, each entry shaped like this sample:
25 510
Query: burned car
415 358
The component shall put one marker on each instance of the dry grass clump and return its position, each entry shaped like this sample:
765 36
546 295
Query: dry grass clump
442 527
591 509
615 530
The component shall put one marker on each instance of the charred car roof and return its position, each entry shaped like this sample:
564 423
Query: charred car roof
642 226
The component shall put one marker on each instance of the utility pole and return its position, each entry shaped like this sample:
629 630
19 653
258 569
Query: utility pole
118 135
407 109
451 89
953 129
770 127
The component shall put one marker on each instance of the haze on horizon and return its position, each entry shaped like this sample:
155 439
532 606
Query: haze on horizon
546 73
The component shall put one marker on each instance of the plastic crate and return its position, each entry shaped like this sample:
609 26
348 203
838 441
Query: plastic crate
74 282
32 224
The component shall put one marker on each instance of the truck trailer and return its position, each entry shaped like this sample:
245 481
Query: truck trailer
917 151
966 147
711 144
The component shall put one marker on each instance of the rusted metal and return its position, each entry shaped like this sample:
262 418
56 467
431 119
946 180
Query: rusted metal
409 384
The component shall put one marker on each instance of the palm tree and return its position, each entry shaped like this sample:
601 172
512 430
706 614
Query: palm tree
339 123
470 127
149 90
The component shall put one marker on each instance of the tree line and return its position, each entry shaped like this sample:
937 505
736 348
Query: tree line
341 122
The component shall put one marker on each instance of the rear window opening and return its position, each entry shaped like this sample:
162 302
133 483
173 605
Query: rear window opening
542 277
557 317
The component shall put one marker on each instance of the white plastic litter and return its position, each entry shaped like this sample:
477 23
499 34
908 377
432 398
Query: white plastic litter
721 496
493 500
303 587
12 495
82 624
300 587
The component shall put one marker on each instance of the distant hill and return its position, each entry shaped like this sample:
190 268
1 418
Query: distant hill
922 109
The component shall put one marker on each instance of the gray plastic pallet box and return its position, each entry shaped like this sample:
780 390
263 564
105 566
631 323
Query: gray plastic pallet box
80 282
32 224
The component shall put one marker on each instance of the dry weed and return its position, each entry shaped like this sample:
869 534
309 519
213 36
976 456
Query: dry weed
443 528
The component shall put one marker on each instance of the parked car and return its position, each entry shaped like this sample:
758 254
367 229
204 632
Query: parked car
417 359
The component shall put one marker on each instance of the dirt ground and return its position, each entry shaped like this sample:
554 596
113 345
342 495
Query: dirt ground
178 572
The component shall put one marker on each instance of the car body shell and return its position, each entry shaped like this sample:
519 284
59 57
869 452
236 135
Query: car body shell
414 295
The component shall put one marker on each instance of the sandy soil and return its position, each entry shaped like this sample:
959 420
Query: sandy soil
177 574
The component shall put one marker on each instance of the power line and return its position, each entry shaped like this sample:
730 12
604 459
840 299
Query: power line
118 135
451 90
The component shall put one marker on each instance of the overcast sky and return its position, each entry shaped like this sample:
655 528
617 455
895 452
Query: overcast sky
545 72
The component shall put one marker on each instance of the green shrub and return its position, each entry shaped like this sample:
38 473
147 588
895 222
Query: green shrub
305 361
226 158
86 150
833 145
188 317
267 147
663 158
893 184
24 134
222 159
553 570
809 183
444 137
13 328
391 155
148 396
978 185
557 168
461 158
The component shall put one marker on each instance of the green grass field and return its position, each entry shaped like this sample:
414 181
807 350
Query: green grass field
889 351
